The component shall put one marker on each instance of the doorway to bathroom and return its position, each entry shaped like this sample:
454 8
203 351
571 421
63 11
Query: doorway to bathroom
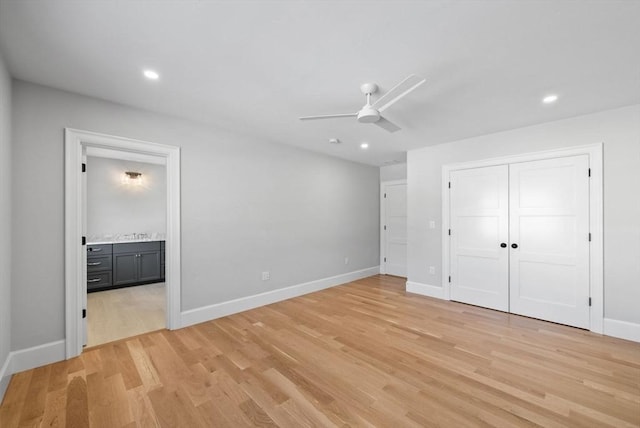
135 257
126 229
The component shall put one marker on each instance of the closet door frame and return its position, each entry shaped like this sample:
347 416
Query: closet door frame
596 250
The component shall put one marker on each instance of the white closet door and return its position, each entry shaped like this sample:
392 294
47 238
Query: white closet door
479 225
396 229
549 216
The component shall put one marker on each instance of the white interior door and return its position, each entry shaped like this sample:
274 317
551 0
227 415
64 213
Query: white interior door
395 229
549 216
479 231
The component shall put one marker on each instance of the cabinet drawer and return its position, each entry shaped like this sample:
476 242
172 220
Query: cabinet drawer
99 249
98 280
136 247
98 263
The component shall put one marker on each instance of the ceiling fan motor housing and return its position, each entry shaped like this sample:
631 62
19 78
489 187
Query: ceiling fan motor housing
368 115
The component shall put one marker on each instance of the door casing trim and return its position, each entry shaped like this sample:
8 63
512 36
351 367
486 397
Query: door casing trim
75 256
596 208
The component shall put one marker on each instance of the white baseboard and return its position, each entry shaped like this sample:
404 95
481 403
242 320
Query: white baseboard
426 290
211 312
37 356
622 329
30 358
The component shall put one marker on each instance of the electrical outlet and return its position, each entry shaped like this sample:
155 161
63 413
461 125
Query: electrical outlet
432 224
432 270
266 276
346 260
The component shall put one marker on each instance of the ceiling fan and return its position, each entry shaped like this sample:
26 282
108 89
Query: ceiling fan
371 113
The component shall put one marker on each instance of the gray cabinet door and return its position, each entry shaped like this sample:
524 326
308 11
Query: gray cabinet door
133 263
149 266
125 269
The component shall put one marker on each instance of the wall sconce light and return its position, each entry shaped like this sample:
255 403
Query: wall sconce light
131 177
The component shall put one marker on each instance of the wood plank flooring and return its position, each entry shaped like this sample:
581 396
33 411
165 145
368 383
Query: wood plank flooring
361 354
125 312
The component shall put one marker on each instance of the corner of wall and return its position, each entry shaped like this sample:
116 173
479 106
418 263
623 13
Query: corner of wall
30 358
5 376
396 171
5 226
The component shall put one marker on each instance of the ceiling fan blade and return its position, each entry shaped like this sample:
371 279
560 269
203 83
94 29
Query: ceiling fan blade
397 92
385 124
328 116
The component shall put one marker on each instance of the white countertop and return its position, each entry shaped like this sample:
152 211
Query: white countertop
122 241
124 238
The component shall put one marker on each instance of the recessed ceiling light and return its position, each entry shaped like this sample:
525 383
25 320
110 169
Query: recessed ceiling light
550 99
151 75
364 145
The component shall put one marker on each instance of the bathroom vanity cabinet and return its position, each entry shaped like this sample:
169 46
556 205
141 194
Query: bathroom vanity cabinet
124 264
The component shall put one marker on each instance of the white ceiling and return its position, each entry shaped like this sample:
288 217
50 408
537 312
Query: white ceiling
254 67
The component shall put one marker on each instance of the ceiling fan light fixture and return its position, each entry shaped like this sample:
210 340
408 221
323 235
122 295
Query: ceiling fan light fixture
368 115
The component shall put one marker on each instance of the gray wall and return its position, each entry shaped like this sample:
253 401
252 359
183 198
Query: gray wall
5 217
247 206
619 130
393 172
115 208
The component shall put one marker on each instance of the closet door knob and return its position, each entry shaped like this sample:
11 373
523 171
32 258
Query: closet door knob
503 245
514 245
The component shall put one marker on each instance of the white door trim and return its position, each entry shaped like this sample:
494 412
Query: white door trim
596 255
383 216
75 274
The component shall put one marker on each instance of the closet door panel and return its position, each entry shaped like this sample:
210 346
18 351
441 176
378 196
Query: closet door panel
549 223
479 224
396 229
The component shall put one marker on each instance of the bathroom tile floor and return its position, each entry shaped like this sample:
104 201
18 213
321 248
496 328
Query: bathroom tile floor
125 312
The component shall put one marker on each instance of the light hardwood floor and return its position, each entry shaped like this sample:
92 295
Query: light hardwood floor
362 354
125 312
